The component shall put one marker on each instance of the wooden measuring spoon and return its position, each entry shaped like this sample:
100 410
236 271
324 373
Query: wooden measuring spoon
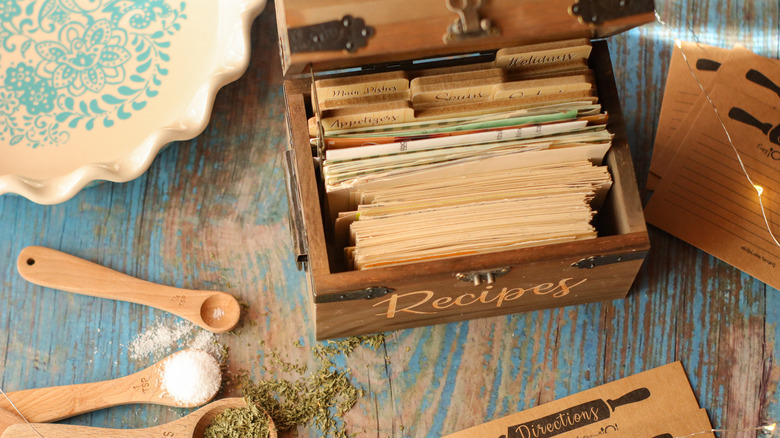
193 425
58 402
214 311
8 418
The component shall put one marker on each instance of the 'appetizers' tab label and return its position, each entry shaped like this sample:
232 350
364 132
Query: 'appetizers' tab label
364 120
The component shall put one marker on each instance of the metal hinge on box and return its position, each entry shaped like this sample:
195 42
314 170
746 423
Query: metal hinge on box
349 33
594 261
598 11
362 294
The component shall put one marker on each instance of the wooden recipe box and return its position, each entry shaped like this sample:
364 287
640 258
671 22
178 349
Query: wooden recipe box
386 34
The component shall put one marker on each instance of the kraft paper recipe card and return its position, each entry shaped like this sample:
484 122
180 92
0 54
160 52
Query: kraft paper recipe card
658 402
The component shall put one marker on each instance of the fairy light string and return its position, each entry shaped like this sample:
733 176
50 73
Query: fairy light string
20 414
759 189
768 428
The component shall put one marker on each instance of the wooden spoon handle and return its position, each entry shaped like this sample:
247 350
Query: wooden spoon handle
193 425
42 405
55 269
47 430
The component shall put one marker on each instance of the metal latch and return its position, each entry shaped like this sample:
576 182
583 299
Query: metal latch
469 23
592 262
599 11
477 277
348 34
362 294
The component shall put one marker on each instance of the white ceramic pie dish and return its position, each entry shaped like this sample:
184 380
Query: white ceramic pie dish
93 89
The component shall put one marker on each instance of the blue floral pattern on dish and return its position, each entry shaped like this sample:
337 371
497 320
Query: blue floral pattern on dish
68 64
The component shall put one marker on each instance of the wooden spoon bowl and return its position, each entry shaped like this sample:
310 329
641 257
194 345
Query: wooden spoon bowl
193 425
218 312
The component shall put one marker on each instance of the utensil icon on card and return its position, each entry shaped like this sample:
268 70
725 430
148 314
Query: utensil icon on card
707 64
743 116
759 78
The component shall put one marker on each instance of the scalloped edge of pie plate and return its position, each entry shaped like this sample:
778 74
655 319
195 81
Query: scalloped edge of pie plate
194 120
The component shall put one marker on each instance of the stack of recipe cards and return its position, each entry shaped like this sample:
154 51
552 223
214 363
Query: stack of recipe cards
658 403
702 194
422 165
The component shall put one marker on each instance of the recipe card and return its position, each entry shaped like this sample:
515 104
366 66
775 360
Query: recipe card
706 199
658 402
681 97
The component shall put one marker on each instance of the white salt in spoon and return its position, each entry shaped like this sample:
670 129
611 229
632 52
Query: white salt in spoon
58 402
213 310
193 425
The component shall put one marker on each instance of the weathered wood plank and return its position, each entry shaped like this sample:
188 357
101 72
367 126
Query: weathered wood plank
211 213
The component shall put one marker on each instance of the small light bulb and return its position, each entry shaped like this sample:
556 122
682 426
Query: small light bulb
770 427
678 43
759 189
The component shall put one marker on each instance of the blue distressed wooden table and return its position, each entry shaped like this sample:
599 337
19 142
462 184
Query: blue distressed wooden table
212 213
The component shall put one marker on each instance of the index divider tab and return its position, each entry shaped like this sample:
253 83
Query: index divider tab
482 108
540 87
372 115
375 99
362 85
545 54
457 92
449 78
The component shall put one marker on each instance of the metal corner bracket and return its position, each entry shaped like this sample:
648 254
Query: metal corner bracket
596 12
602 260
362 294
348 34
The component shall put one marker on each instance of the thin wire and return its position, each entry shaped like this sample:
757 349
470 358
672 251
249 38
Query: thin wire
770 428
759 189
20 414
767 428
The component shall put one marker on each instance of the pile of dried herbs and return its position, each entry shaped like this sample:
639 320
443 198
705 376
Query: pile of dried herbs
239 423
319 398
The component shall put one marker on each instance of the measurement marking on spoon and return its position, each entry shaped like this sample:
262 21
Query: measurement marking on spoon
144 385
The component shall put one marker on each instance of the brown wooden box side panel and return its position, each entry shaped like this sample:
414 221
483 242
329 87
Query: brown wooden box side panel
409 29
336 283
307 181
442 298
624 206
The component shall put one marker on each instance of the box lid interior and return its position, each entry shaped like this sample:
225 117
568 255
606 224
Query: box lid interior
335 34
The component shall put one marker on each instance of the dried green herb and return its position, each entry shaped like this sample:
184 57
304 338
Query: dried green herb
249 422
320 398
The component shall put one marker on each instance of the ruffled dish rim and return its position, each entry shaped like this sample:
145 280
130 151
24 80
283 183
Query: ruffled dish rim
228 68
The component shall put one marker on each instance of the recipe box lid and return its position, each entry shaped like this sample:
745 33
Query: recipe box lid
336 34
